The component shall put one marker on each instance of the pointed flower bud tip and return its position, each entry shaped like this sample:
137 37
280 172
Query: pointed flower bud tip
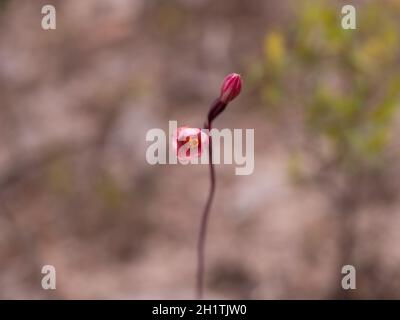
231 87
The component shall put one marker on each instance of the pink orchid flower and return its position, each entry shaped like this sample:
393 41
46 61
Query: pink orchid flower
189 143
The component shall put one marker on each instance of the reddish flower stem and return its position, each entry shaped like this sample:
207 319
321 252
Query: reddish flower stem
216 108
230 89
204 222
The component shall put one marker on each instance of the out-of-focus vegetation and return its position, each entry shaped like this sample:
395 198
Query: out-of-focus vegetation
341 87
346 83
340 90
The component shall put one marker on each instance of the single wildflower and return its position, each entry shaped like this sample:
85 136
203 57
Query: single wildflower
189 143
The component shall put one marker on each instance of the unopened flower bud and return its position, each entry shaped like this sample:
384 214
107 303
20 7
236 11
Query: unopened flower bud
230 87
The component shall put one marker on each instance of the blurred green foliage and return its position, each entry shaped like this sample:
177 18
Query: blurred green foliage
111 193
345 84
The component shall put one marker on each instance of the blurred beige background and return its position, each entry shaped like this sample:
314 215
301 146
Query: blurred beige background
76 191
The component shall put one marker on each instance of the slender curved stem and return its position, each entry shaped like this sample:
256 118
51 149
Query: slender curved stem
204 222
